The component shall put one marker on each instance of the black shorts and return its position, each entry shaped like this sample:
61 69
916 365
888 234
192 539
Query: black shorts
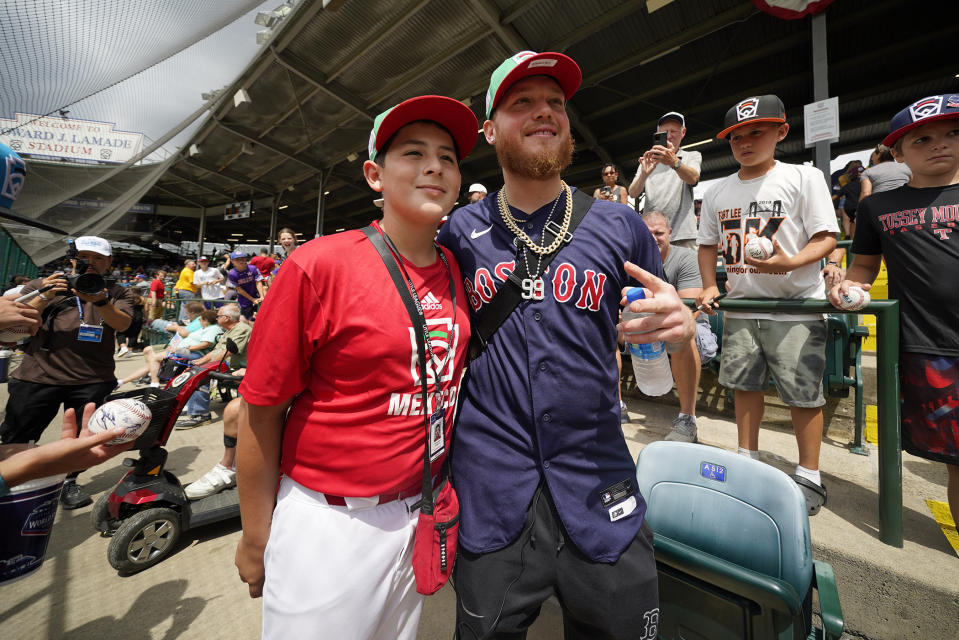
499 594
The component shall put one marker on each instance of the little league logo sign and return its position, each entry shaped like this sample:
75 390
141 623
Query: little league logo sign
931 106
746 108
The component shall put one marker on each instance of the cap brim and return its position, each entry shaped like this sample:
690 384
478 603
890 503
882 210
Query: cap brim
891 139
565 71
451 114
725 132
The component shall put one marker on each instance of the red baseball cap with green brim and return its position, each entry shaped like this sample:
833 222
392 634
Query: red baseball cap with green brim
767 108
452 115
929 109
524 64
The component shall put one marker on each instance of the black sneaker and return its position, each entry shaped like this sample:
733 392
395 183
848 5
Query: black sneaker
73 496
192 421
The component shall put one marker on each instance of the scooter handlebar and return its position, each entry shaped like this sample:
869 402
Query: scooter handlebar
226 377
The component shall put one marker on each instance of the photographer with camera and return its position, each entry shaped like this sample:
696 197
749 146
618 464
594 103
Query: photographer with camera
69 361
667 175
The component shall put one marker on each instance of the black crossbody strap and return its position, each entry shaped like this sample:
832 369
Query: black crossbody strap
511 293
426 504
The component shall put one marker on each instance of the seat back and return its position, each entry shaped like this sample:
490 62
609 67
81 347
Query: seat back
729 506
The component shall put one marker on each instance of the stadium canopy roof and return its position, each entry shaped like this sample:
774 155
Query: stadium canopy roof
331 66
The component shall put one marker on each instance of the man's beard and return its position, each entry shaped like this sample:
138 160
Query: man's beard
537 165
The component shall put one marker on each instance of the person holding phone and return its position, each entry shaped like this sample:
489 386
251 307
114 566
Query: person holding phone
668 174
611 190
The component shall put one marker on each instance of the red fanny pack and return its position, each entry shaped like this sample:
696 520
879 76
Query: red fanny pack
437 531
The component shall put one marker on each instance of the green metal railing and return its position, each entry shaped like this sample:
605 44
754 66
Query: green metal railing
13 261
887 366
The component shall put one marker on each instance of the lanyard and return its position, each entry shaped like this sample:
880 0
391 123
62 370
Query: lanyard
421 317
80 311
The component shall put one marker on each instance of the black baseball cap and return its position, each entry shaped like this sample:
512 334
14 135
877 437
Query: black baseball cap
929 109
767 108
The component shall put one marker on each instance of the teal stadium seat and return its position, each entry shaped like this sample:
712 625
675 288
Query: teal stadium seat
732 546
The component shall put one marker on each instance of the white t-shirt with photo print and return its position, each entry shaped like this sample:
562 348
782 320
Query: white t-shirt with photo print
790 203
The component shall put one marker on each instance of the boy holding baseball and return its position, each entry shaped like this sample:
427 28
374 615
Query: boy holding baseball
790 206
913 228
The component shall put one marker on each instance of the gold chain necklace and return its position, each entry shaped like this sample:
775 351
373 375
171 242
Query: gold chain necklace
519 233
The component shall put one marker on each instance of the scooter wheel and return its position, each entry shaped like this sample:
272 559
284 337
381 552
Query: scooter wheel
143 540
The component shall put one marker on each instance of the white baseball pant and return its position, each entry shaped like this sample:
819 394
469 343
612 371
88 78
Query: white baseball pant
340 572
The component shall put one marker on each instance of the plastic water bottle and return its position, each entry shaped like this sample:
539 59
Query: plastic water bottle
650 362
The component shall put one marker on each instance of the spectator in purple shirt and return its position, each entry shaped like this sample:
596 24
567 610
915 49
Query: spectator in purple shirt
248 283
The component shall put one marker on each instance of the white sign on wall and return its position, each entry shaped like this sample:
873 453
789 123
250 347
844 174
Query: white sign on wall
821 121
69 138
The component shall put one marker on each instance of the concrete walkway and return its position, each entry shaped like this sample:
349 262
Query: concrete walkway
195 593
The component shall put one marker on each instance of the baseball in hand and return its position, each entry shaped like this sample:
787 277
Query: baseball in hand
759 248
128 414
15 334
854 300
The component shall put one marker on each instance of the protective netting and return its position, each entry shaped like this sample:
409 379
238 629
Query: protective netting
139 64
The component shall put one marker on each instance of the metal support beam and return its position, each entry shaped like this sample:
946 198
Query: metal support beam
319 81
820 83
202 232
266 145
178 176
321 205
230 175
273 215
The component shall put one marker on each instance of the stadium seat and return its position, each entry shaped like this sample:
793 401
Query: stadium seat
732 546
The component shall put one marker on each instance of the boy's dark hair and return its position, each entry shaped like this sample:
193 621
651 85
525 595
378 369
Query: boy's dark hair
381 154
20 279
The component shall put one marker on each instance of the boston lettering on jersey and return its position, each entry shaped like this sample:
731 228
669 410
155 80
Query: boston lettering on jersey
567 284
915 219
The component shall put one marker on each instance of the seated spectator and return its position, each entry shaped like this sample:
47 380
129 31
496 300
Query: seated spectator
17 281
223 474
192 347
197 410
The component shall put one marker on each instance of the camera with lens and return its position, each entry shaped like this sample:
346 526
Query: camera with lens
82 282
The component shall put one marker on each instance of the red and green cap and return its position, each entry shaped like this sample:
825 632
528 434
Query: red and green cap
557 66
452 115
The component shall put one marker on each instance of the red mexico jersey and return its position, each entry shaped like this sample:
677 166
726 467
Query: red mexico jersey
334 332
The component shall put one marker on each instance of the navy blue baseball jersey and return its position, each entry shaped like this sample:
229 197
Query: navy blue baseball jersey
541 403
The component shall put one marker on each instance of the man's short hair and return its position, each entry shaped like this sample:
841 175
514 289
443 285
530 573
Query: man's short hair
188 261
656 215
232 310
195 307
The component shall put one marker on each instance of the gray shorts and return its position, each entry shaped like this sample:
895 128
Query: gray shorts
793 352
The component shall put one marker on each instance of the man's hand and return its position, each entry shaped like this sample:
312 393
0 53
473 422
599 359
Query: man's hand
249 564
671 321
17 314
647 163
663 155
706 298
843 288
95 297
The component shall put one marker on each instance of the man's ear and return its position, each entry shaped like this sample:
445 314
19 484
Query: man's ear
374 175
489 131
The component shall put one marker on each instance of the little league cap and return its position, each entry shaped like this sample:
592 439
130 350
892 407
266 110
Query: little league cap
202 259
476 186
767 108
672 115
529 63
13 171
451 114
237 254
93 243
928 109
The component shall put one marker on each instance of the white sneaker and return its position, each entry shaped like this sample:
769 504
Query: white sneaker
216 479
123 351
684 429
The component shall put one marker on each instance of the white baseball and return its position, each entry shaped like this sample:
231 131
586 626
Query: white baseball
856 299
14 334
128 414
759 248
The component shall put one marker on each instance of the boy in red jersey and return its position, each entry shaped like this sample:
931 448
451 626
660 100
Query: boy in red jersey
334 397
